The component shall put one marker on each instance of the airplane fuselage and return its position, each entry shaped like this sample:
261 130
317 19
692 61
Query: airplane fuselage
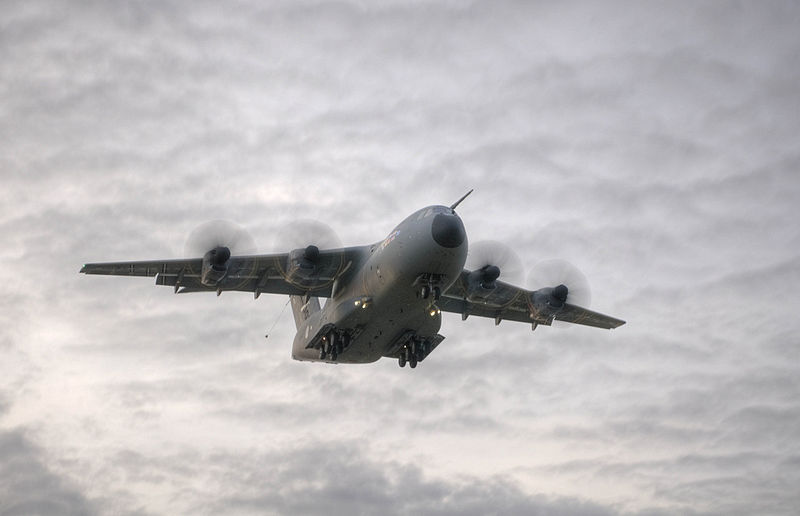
388 300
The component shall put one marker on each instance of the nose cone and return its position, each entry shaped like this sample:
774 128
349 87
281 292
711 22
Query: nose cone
448 230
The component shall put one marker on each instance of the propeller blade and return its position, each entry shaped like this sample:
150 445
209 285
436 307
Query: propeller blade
561 273
304 233
497 259
217 234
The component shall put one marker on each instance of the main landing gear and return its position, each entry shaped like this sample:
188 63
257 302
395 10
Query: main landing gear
413 352
333 344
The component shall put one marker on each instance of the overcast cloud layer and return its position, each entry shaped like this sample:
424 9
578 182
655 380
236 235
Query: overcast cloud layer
655 145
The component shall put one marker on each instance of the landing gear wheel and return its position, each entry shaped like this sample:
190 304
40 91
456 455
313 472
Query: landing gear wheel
425 292
412 361
322 354
402 360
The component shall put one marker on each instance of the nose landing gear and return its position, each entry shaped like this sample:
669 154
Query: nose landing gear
429 286
425 292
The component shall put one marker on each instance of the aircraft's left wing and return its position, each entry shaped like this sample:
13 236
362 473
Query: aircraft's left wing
284 273
509 302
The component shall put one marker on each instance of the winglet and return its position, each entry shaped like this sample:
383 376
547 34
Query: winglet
453 207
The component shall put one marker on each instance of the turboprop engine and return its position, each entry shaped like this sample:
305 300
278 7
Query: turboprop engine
489 260
215 266
217 240
481 282
302 263
550 300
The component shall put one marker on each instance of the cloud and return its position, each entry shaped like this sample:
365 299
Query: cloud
653 146
29 486
338 478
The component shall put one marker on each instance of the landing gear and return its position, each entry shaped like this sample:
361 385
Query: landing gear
334 344
422 351
341 343
430 285
413 352
425 292
406 356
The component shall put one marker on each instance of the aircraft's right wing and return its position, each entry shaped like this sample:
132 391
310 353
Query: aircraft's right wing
281 273
509 302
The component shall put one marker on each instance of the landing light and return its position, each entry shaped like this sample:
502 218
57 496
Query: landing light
434 312
364 302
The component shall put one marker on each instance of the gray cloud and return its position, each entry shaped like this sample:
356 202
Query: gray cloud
337 478
654 145
28 486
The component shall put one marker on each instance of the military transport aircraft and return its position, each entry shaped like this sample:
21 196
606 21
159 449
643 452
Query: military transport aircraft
383 300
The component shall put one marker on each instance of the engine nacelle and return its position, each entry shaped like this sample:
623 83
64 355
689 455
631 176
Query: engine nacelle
481 282
550 300
215 266
302 264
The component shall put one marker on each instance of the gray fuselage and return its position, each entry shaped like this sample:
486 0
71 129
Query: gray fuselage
379 300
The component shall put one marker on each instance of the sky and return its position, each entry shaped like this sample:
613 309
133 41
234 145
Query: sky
652 144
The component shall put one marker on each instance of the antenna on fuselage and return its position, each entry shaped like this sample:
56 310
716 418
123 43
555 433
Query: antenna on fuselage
453 207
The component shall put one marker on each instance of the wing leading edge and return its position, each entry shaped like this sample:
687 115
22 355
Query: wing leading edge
509 302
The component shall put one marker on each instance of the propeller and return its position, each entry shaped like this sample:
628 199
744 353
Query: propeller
494 260
223 236
306 233
568 282
309 235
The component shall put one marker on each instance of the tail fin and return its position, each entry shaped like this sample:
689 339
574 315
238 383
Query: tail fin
303 309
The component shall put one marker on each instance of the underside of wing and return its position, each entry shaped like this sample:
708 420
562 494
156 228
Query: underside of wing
502 301
143 268
299 272
578 315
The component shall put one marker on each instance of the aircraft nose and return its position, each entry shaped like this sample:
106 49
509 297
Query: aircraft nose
448 230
